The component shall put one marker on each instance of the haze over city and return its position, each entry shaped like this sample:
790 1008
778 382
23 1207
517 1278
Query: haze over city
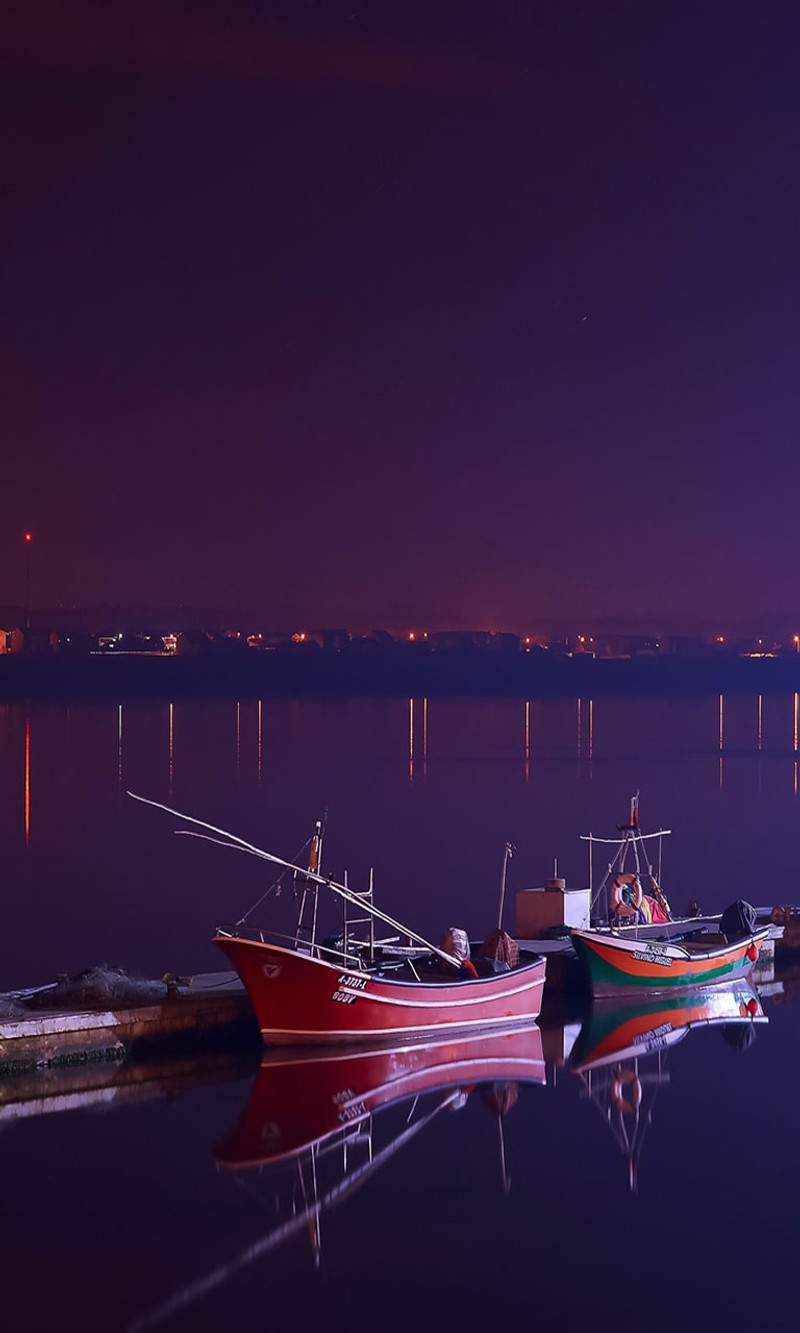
469 312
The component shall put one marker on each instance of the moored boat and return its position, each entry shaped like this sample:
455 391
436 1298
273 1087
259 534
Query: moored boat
666 955
303 998
617 965
308 990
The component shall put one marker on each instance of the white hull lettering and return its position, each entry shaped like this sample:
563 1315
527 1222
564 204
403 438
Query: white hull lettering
650 956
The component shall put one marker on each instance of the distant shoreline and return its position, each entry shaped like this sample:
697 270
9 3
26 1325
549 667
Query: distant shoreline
404 675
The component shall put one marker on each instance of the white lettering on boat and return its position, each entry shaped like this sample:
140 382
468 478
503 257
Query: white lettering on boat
652 955
352 983
344 996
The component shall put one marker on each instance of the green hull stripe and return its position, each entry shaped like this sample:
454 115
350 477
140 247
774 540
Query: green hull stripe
604 972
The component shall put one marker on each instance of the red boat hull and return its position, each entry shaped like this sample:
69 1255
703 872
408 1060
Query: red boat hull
300 1000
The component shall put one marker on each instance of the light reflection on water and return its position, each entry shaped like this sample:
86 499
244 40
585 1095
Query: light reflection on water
495 1166
90 877
248 722
427 791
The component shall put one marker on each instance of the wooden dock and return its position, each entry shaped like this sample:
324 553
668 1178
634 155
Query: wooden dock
213 1009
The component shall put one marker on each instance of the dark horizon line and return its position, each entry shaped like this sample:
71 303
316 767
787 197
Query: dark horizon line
289 618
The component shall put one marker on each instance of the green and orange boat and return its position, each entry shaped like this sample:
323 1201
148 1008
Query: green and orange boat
643 948
619 965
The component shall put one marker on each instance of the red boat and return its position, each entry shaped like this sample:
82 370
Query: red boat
309 991
301 998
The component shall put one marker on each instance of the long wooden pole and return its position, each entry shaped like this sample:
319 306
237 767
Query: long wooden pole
239 844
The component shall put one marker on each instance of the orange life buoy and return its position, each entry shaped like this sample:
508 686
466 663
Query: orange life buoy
626 895
626 1091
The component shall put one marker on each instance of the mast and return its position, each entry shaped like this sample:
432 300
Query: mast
314 868
508 852
631 839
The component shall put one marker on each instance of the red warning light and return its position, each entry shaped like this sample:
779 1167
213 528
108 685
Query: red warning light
29 536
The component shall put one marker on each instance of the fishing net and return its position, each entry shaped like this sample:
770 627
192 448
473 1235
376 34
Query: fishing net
100 987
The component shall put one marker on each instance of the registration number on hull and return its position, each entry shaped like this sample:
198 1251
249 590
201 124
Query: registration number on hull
652 955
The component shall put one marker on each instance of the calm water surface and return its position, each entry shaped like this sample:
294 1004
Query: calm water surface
503 1207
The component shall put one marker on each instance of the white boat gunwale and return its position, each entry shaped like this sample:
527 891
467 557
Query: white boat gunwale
679 952
496 981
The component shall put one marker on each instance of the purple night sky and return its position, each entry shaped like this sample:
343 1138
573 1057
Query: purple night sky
475 311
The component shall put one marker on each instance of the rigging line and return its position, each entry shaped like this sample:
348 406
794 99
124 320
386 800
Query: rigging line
636 855
617 864
274 885
239 844
341 889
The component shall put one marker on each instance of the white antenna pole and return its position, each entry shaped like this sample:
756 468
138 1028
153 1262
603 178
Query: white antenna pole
507 852
371 923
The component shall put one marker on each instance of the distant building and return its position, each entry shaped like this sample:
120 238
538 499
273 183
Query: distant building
377 641
334 640
459 640
33 641
627 645
191 642
503 643
684 646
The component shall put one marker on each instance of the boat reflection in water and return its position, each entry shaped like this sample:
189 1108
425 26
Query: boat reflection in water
302 1101
318 1125
620 1036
